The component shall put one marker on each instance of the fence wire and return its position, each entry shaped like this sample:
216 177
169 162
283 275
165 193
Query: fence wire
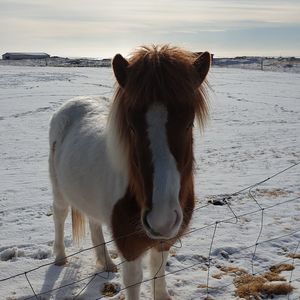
215 225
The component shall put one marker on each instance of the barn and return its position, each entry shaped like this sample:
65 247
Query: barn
24 55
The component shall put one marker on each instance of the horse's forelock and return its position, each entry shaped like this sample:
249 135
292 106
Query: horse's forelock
164 75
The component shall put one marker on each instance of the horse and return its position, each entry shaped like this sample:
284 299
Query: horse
135 174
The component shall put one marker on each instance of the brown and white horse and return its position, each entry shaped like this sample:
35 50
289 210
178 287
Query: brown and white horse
136 174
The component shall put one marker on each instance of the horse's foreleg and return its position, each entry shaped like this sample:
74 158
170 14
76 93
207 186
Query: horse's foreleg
132 277
60 212
158 262
103 258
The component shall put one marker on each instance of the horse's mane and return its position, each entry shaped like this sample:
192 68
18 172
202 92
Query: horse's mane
162 74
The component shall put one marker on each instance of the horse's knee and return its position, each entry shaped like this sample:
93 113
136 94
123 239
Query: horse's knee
60 211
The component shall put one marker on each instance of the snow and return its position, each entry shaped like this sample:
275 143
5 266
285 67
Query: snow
253 133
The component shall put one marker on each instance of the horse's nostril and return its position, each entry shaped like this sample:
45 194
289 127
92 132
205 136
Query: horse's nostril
148 226
145 221
176 217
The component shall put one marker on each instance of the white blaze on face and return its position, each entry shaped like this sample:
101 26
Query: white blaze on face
166 215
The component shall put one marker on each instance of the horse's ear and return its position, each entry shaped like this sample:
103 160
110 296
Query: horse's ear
202 65
120 65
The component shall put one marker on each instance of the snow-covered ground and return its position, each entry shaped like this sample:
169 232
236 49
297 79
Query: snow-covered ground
253 133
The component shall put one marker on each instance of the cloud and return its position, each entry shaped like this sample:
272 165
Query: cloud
64 24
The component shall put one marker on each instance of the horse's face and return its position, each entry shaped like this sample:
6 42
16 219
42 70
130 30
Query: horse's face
162 148
161 155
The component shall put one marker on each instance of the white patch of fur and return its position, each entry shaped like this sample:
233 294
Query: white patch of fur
85 163
115 149
166 180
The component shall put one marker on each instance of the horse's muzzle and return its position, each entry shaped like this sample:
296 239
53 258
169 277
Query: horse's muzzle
162 227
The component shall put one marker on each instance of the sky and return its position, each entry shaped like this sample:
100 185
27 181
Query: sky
97 28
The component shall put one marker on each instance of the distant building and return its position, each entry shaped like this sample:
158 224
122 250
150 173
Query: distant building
24 55
106 62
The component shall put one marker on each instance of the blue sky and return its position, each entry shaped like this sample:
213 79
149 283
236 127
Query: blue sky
97 28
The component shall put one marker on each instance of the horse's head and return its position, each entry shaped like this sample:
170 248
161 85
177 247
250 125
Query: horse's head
159 95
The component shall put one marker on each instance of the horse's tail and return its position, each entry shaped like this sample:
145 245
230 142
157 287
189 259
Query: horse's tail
78 225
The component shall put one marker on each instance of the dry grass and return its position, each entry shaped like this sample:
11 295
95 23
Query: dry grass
232 270
251 287
271 276
277 289
282 267
109 290
272 192
202 286
217 276
294 255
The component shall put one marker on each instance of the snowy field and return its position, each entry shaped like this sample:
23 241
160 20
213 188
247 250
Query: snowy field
253 133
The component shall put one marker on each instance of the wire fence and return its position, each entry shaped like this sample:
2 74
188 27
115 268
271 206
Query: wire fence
216 225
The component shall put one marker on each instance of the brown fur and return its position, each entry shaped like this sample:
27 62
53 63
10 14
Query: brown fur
164 75
128 233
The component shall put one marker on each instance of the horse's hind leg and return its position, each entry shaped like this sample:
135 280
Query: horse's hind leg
60 212
103 258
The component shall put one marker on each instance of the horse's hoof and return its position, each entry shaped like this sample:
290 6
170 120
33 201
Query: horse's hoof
164 297
109 267
112 268
60 261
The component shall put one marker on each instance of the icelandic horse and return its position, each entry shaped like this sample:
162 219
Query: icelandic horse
136 173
